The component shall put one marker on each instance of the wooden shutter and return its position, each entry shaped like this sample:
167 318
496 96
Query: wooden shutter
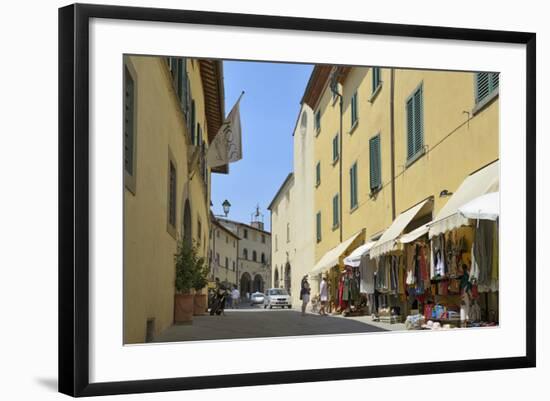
410 129
335 211
353 186
128 122
172 196
483 86
418 122
318 173
375 78
318 226
192 125
493 81
318 120
354 108
335 153
375 168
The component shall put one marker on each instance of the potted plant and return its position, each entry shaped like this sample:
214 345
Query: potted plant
200 274
185 261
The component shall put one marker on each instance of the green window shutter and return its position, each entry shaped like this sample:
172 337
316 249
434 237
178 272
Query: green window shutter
483 86
318 174
493 81
375 78
353 186
335 150
335 211
418 121
354 108
410 129
193 122
129 112
318 120
318 226
172 196
374 158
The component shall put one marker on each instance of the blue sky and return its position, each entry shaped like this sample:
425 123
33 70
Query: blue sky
269 109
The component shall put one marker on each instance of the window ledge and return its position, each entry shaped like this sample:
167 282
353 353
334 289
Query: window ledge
375 191
335 161
375 93
413 159
353 209
485 102
317 131
317 185
335 227
353 127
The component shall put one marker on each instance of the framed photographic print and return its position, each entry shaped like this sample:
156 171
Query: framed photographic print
239 192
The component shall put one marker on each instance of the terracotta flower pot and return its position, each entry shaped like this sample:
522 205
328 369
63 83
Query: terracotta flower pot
183 308
201 304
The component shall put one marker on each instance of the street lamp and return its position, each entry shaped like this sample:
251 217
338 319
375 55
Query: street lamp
226 205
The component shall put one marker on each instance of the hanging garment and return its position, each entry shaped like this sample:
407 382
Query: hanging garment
495 259
483 251
474 269
346 289
410 264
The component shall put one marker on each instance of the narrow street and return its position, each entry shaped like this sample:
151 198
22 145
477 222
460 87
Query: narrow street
254 322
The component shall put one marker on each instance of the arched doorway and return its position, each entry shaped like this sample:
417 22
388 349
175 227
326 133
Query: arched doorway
276 278
187 229
246 284
287 277
258 283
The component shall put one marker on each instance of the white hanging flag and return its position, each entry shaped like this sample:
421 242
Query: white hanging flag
227 145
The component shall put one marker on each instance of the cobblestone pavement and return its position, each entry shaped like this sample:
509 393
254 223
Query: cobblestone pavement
255 322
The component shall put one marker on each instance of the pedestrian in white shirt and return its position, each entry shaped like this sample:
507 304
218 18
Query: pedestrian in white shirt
235 295
323 295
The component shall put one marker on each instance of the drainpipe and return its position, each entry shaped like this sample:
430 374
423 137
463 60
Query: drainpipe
392 141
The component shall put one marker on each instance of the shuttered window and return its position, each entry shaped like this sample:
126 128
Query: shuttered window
129 129
335 148
353 186
375 161
318 226
318 174
375 78
318 121
354 109
485 84
172 196
192 123
335 211
415 124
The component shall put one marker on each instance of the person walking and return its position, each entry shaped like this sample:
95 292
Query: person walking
323 295
304 294
235 295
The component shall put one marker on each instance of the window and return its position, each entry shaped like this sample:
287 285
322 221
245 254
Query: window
374 161
233 265
415 125
263 239
263 258
172 196
226 239
318 226
335 211
485 83
335 149
199 229
254 256
245 233
318 121
354 109
318 174
217 233
218 258
226 262
276 243
375 79
353 186
245 253
129 127
192 123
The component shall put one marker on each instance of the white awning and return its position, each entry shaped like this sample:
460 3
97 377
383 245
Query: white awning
484 207
354 258
414 234
331 258
387 241
479 183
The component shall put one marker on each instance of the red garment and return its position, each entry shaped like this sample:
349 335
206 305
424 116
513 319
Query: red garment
340 292
423 266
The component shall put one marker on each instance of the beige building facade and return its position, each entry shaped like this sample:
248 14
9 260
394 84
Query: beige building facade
223 254
169 119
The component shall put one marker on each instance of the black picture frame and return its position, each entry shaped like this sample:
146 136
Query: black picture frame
74 198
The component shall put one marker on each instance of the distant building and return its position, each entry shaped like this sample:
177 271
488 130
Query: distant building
223 253
253 268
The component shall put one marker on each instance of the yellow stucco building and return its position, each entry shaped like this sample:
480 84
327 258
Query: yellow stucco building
172 109
388 139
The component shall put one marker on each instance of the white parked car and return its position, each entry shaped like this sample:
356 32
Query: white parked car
257 298
277 297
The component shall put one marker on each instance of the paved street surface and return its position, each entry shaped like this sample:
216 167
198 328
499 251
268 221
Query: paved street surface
254 322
